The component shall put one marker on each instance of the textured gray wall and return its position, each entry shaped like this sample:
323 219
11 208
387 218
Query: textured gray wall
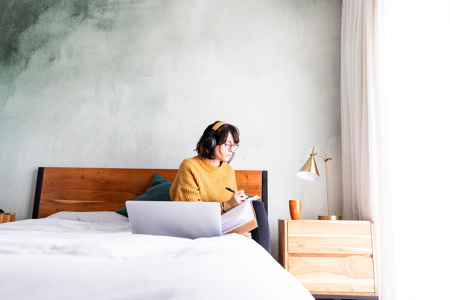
133 84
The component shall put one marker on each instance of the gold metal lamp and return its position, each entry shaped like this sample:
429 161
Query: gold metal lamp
310 172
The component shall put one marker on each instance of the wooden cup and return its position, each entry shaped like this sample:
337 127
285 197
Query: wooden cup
295 208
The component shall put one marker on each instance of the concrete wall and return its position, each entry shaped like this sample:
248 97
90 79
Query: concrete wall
133 84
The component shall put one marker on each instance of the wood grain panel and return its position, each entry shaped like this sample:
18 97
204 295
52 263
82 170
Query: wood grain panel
98 184
330 228
343 237
250 182
98 189
329 245
282 238
330 257
7 217
334 274
49 207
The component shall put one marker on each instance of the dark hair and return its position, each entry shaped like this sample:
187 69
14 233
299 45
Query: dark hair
220 135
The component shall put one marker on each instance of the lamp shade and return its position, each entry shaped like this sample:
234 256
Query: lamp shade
309 170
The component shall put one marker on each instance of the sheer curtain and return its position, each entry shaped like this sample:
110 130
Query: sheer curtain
365 143
395 117
357 90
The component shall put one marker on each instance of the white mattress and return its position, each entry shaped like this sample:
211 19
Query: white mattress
94 256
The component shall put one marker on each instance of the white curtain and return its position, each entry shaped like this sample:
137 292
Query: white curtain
357 91
395 121
365 143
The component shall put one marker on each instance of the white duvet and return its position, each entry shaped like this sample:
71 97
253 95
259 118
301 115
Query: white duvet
95 256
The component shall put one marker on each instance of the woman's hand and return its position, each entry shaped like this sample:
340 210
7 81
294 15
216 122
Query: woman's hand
237 199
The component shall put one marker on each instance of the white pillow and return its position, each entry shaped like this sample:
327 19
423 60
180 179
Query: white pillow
90 216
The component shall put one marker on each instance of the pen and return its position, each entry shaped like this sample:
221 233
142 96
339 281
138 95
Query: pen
230 190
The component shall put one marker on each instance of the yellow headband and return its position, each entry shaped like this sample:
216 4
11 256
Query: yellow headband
215 127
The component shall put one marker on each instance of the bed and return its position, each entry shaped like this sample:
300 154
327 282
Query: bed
77 246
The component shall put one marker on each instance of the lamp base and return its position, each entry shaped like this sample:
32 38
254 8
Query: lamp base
329 218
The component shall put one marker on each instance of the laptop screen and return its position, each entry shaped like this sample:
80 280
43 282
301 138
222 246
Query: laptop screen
178 219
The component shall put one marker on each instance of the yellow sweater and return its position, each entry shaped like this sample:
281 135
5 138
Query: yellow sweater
197 180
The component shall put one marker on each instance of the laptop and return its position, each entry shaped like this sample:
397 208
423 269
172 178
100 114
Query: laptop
173 218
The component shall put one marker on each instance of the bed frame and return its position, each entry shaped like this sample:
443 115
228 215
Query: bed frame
105 189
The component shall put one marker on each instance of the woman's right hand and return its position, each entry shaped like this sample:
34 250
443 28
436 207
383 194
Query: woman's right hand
237 199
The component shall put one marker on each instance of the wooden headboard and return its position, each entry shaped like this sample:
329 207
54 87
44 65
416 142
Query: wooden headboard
105 189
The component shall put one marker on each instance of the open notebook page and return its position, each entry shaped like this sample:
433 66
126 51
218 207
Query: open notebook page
238 215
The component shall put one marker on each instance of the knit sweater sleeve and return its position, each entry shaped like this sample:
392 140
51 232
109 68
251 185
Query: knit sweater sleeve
185 187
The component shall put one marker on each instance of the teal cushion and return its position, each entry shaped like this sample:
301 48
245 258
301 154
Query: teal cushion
157 191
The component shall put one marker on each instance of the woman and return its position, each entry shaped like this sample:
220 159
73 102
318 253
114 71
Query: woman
206 176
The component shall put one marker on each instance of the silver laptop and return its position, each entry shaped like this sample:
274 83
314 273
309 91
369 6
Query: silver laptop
172 218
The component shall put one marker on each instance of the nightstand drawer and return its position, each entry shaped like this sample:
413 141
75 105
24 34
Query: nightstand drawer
345 237
334 274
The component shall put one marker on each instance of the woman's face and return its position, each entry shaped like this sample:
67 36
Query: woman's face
221 153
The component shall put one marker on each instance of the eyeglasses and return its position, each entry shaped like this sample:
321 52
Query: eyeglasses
229 145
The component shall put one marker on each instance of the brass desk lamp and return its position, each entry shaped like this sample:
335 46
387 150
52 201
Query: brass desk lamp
310 172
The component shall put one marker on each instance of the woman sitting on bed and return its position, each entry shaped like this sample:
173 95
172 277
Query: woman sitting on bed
205 177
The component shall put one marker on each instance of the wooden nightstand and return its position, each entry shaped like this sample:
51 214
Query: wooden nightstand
7 217
332 259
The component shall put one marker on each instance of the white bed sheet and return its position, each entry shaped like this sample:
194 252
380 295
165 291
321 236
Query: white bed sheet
95 256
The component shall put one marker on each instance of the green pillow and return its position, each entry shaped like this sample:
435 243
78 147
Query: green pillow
157 191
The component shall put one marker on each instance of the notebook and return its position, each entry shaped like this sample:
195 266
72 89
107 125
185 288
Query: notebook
178 219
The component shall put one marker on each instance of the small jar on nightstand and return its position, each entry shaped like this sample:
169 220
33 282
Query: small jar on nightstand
7 217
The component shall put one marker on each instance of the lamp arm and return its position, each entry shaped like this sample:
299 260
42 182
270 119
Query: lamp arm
325 158
328 191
